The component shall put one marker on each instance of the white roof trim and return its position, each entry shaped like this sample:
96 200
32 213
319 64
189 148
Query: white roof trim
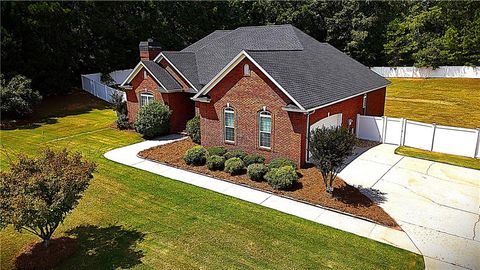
343 99
161 55
135 72
237 59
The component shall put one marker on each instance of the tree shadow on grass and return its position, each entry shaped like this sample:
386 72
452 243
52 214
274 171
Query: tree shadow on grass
75 102
105 248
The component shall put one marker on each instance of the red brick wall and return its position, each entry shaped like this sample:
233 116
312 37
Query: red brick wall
376 102
180 104
248 95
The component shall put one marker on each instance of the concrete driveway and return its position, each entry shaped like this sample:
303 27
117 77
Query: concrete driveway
437 205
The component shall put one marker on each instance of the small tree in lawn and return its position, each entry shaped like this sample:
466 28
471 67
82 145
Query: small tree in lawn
37 193
330 147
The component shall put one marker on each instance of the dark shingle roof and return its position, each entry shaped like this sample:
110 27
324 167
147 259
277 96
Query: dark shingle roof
313 73
319 74
162 75
185 62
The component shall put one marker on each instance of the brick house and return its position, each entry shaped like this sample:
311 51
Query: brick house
261 89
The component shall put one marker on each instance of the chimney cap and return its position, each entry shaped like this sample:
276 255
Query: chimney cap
150 43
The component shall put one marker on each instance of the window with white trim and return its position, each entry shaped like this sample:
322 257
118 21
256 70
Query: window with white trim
229 123
246 70
265 129
146 98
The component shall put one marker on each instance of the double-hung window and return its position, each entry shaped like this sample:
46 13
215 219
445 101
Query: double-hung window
229 121
145 98
265 129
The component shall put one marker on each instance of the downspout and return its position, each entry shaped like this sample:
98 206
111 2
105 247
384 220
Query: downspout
307 145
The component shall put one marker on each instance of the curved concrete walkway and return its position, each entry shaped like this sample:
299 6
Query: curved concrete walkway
128 156
436 204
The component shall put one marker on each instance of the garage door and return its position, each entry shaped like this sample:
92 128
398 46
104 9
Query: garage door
328 122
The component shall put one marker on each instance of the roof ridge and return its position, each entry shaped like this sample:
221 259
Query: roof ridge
265 26
208 43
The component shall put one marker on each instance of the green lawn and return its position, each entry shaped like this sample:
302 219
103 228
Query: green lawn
473 163
452 102
133 219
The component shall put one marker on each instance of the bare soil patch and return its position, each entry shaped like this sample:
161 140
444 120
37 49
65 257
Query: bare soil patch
37 256
310 187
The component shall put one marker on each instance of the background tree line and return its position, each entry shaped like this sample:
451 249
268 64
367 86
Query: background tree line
54 42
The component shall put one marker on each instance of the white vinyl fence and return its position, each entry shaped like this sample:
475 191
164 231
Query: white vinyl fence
431 137
440 72
92 84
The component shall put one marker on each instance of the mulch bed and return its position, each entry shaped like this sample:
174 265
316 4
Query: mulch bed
310 188
36 256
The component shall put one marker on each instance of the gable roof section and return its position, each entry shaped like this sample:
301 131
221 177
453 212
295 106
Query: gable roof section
159 74
209 86
185 63
213 56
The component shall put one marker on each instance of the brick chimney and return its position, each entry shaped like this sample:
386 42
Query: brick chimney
149 49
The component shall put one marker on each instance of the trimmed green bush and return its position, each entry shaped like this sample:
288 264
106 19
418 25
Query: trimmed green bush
253 158
193 129
215 163
153 120
122 121
281 162
234 166
282 178
257 171
217 150
17 96
196 155
235 153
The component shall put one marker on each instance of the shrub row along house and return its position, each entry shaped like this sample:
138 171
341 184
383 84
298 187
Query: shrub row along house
260 89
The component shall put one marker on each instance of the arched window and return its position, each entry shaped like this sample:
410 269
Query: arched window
246 70
265 129
146 98
229 123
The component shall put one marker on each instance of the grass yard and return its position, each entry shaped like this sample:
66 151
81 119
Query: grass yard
134 219
473 163
449 101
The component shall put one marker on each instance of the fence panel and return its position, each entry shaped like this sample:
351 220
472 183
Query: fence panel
440 72
393 130
418 135
98 89
369 128
431 137
456 141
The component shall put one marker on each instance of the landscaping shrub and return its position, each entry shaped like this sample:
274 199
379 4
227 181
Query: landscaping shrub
235 153
17 96
282 178
196 155
153 120
122 122
120 107
253 158
281 162
257 171
234 166
215 163
193 129
330 148
217 150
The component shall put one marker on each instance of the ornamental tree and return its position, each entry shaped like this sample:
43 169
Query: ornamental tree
37 193
330 147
